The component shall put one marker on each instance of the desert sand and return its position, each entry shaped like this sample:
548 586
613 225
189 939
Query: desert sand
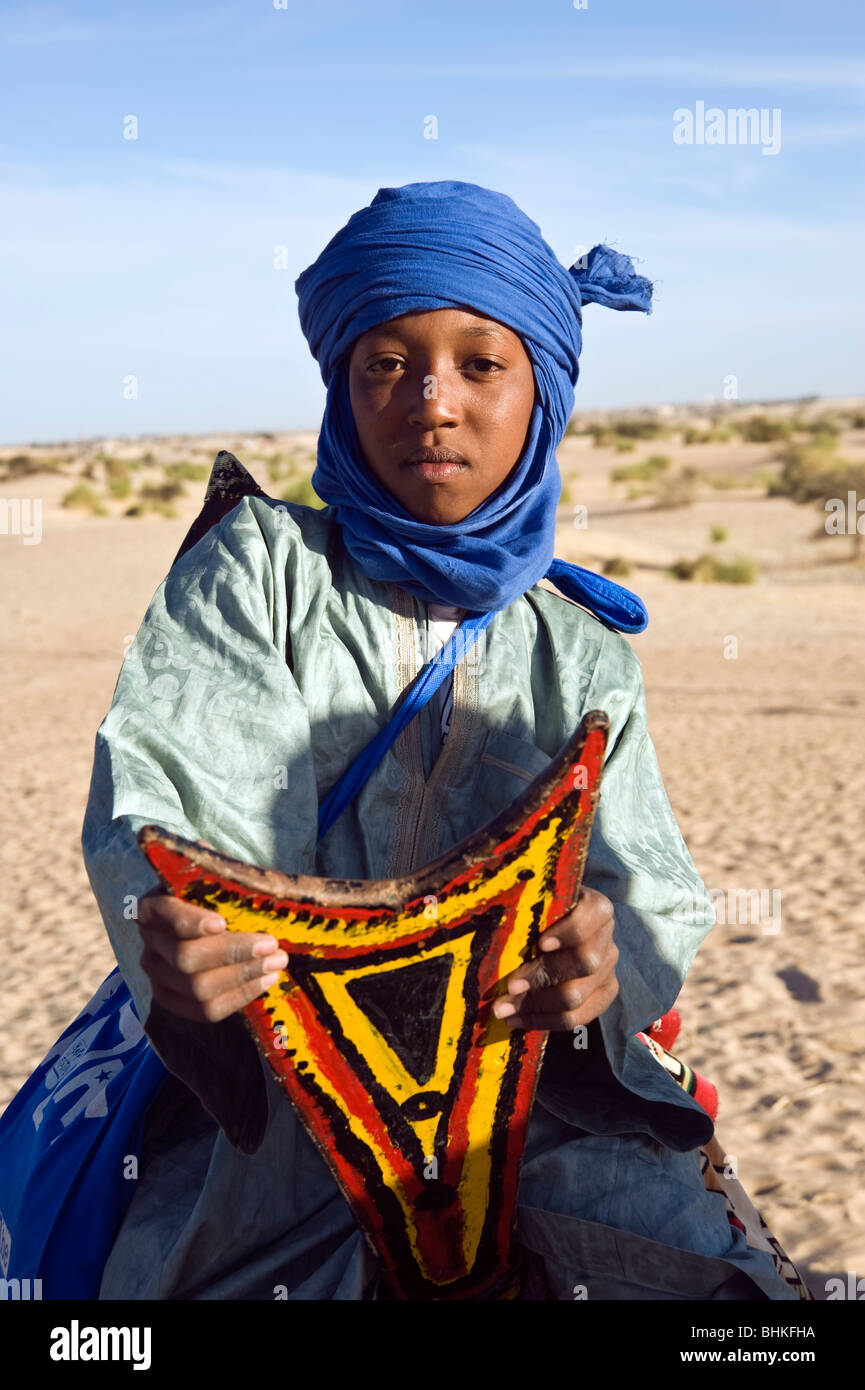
755 695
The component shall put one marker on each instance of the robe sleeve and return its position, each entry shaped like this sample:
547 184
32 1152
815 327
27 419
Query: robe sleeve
639 859
204 711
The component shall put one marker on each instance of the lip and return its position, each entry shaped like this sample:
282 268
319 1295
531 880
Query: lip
436 472
435 464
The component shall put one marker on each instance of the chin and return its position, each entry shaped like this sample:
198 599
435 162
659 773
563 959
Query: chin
436 516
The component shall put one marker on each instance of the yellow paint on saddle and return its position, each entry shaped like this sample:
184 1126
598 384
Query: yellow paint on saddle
538 851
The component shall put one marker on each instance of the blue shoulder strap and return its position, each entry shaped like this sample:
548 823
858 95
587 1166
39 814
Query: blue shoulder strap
615 606
425 685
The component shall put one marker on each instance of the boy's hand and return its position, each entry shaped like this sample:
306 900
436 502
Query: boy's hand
574 980
198 969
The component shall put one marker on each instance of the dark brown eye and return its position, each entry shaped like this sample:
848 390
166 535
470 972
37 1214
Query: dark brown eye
386 364
486 365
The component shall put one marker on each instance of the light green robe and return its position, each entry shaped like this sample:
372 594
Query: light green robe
266 662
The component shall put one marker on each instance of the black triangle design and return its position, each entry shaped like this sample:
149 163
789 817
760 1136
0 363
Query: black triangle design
406 1006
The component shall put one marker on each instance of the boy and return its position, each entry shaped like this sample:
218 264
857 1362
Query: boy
449 336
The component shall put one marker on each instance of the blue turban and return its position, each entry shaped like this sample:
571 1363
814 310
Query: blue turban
447 245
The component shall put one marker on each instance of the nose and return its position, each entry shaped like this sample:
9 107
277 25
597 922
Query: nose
434 402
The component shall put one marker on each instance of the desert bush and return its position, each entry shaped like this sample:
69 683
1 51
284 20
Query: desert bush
718 534
643 472
152 504
738 571
763 429
826 424
120 485
764 477
658 463
678 490
281 465
810 474
825 441
157 497
303 492
26 465
84 498
616 432
117 477
709 569
807 470
683 569
186 472
115 467
639 429
624 446
19 465
162 492
602 437
617 566
715 435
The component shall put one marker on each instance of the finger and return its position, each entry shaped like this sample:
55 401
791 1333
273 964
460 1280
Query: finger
593 916
214 1010
204 985
191 955
162 912
583 934
565 1022
557 967
166 920
559 997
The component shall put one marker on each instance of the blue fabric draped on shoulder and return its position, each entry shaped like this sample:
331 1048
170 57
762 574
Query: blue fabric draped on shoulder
456 245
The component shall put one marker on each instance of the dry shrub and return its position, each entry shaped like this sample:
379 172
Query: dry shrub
709 569
643 472
302 491
26 465
676 490
84 498
617 567
763 429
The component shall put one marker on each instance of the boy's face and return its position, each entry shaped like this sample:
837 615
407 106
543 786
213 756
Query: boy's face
442 402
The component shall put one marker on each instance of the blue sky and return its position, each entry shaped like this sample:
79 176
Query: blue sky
261 127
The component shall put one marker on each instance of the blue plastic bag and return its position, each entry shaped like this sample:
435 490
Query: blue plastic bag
69 1145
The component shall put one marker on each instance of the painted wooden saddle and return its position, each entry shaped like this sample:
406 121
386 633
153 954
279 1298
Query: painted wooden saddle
381 1028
